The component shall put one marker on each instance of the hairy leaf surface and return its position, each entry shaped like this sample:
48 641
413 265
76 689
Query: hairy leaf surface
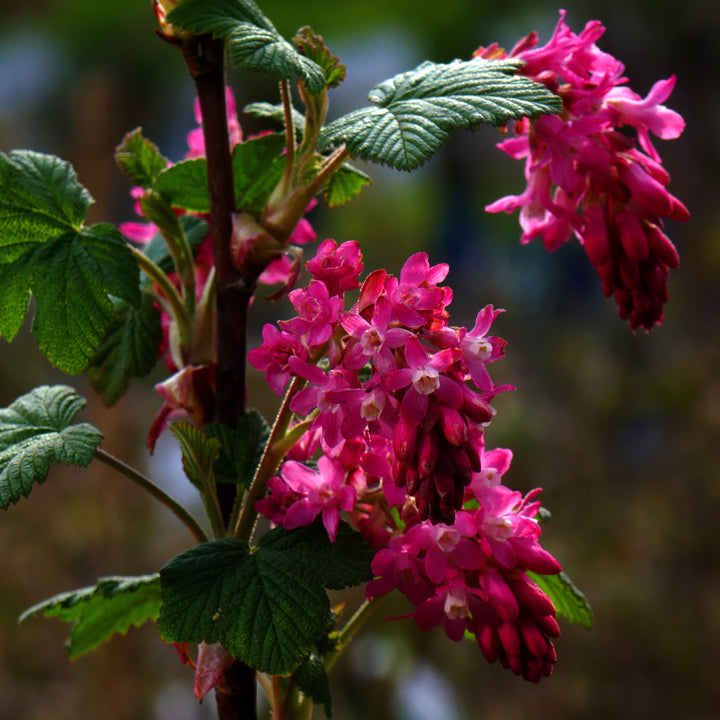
35 431
45 250
253 41
417 111
266 605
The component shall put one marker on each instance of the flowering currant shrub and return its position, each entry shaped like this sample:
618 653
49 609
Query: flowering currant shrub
375 469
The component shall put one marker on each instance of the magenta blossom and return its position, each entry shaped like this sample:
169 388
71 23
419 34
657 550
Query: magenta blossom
311 494
587 178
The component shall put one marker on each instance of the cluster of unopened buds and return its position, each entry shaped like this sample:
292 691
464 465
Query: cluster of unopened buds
397 407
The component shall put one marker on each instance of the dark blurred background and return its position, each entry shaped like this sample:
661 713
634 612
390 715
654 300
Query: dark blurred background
622 431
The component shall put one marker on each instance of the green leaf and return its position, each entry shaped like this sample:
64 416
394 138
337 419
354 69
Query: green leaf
253 41
312 679
241 449
45 249
338 564
261 605
418 110
72 278
100 611
567 598
196 231
344 185
37 430
40 199
257 168
129 349
276 112
313 46
185 185
198 453
140 159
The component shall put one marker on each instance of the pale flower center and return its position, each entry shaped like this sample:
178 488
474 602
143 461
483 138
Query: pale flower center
426 380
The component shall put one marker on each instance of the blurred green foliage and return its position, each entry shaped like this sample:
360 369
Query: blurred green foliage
620 430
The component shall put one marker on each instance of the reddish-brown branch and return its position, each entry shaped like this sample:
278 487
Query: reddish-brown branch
205 58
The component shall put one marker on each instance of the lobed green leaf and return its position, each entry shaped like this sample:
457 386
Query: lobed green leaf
252 40
262 607
100 611
338 564
129 349
568 599
35 431
417 111
40 198
266 605
45 250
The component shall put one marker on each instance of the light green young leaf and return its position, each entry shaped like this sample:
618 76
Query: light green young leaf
417 111
185 185
100 611
344 185
567 598
37 430
252 40
129 349
140 159
257 168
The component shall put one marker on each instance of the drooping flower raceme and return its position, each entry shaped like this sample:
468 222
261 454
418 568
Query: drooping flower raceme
397 411
586 175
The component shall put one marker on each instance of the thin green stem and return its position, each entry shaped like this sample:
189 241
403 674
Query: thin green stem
349 631
158 493
286 181
331 165
179 312
271 458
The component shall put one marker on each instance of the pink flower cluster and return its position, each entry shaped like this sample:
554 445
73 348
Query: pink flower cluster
398 381
586 175
471 577
396 400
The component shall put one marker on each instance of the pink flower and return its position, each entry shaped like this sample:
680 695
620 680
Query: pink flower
337 267
273 355
317 313
311 494
586 178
